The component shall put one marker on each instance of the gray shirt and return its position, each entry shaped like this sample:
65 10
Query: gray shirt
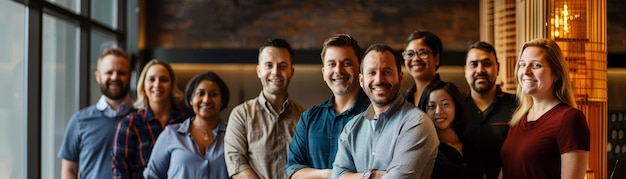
403 143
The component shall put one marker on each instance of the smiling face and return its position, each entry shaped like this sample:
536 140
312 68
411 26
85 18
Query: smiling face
380 79
206 100
422 69
481 70
274 70
534 74
113 76
341 70
158 84
441 109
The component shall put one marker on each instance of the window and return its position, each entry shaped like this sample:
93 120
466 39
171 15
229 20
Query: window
12 93
105 12
59 83
73 5
99 42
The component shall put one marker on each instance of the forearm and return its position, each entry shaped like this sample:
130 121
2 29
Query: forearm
69 169
349 175
246 174
311 173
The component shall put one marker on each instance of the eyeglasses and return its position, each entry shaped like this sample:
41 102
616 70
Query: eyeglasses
409 54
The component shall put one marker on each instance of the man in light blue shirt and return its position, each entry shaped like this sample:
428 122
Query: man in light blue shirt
392 138
88 141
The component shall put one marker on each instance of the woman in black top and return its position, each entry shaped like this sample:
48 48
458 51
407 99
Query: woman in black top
443 103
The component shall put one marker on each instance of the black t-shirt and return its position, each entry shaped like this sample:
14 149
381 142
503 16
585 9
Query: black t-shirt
485 133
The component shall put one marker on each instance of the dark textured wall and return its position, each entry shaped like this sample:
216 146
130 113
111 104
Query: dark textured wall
244 24
616 30
306 23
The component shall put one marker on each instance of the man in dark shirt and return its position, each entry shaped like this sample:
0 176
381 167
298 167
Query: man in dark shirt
488 112
314 145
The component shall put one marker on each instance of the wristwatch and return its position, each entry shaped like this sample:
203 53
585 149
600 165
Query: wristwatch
367 174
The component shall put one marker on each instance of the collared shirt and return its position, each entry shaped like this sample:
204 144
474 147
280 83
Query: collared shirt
485 133
409 95
314 144
88 139
121 111
404 143
176 154
134 138
257 137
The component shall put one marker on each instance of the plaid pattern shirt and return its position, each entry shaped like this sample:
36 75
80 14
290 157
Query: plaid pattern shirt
134 138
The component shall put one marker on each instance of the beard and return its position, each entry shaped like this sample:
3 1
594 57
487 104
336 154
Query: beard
346 88
112 94
383 100
484 88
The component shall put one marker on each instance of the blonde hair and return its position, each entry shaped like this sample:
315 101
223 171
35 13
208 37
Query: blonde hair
562 88
176 95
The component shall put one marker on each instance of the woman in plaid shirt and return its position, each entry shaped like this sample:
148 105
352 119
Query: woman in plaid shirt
158 102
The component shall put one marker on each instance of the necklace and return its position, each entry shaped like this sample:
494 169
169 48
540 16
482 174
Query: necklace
206 135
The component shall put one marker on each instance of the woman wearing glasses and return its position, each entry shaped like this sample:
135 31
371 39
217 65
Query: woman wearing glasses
421 58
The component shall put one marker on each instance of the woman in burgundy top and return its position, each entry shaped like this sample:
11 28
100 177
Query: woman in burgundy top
549 137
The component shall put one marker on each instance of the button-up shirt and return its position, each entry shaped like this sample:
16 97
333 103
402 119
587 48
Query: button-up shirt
403 143
176 154
315 143
257 137
134 138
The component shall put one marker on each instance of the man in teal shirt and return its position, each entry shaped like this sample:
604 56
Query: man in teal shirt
314 145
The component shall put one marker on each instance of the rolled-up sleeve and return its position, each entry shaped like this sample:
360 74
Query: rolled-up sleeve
236 143
416 150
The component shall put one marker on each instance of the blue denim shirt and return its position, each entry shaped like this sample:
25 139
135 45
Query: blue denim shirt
314 144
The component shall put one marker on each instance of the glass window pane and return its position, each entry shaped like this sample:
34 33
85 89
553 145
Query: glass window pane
59 84
105 12
99 42
13 90
73 5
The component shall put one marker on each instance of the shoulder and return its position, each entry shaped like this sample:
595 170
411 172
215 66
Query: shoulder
354 122
171 130
411 112
567 112
246 105
86 113
315 109
134 117
506 99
